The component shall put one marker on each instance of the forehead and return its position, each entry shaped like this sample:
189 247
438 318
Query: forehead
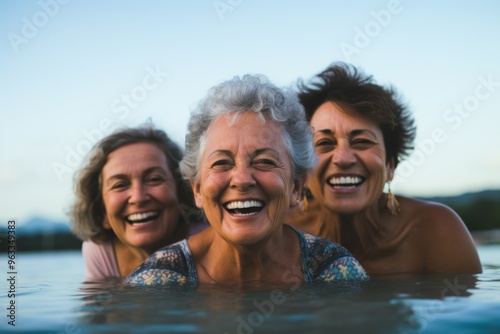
135 156
247 129
331 116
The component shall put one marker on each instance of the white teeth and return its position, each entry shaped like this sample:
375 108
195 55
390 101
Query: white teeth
243 205
141 216
350 180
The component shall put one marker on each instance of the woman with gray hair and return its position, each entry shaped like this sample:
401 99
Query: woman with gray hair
248 151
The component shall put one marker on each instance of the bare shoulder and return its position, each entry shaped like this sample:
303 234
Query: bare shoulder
431 216
442 237
200 243
436 222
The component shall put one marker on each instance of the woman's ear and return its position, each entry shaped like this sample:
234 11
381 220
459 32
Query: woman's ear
391 167
106 224
197 196
298 187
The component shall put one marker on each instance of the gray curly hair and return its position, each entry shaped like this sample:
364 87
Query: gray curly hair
250 93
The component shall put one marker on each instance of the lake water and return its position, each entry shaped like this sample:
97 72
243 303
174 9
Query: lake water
51 298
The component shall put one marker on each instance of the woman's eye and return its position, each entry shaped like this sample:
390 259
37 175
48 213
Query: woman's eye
155 179
362 143
119 185
324 142
324 145
221 164
265 163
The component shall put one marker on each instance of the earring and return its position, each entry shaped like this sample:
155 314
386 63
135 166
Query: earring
392 203
303 205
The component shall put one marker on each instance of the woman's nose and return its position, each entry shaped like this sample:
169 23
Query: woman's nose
343 155
138 194
242 178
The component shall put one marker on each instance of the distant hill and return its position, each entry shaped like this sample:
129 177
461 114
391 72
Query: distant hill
39 225
467 197
40 234
480 211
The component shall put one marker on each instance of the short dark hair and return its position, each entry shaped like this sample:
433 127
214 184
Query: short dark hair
88 212
355 91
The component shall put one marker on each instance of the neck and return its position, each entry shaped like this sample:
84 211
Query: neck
359 232
265 262
127 257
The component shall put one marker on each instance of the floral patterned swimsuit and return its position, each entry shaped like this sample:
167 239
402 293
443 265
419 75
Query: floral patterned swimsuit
322 260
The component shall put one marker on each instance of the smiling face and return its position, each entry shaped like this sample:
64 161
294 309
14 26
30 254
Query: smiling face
139 194
246 185
352 168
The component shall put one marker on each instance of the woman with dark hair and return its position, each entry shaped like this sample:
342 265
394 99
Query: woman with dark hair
361 133
130 201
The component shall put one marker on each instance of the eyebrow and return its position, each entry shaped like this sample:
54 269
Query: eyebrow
253 154
264 150
223 152
354 132
362 131
324 131
124 176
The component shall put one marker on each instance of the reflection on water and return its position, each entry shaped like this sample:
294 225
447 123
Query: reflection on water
53 299
396 305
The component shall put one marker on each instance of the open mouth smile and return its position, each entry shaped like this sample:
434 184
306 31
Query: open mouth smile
244 208
143 217
343 182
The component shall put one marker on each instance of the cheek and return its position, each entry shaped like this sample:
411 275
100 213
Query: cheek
376 161
113 219
321 166
167 194
112 203
281 187
282 202
323 159
377 167
282 197
214 185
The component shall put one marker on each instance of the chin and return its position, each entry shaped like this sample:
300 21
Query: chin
345 208
246 239
144 243
249 234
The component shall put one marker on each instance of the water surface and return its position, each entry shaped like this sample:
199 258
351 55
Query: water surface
51 298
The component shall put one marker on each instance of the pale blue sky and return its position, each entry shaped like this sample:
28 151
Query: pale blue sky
67 68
